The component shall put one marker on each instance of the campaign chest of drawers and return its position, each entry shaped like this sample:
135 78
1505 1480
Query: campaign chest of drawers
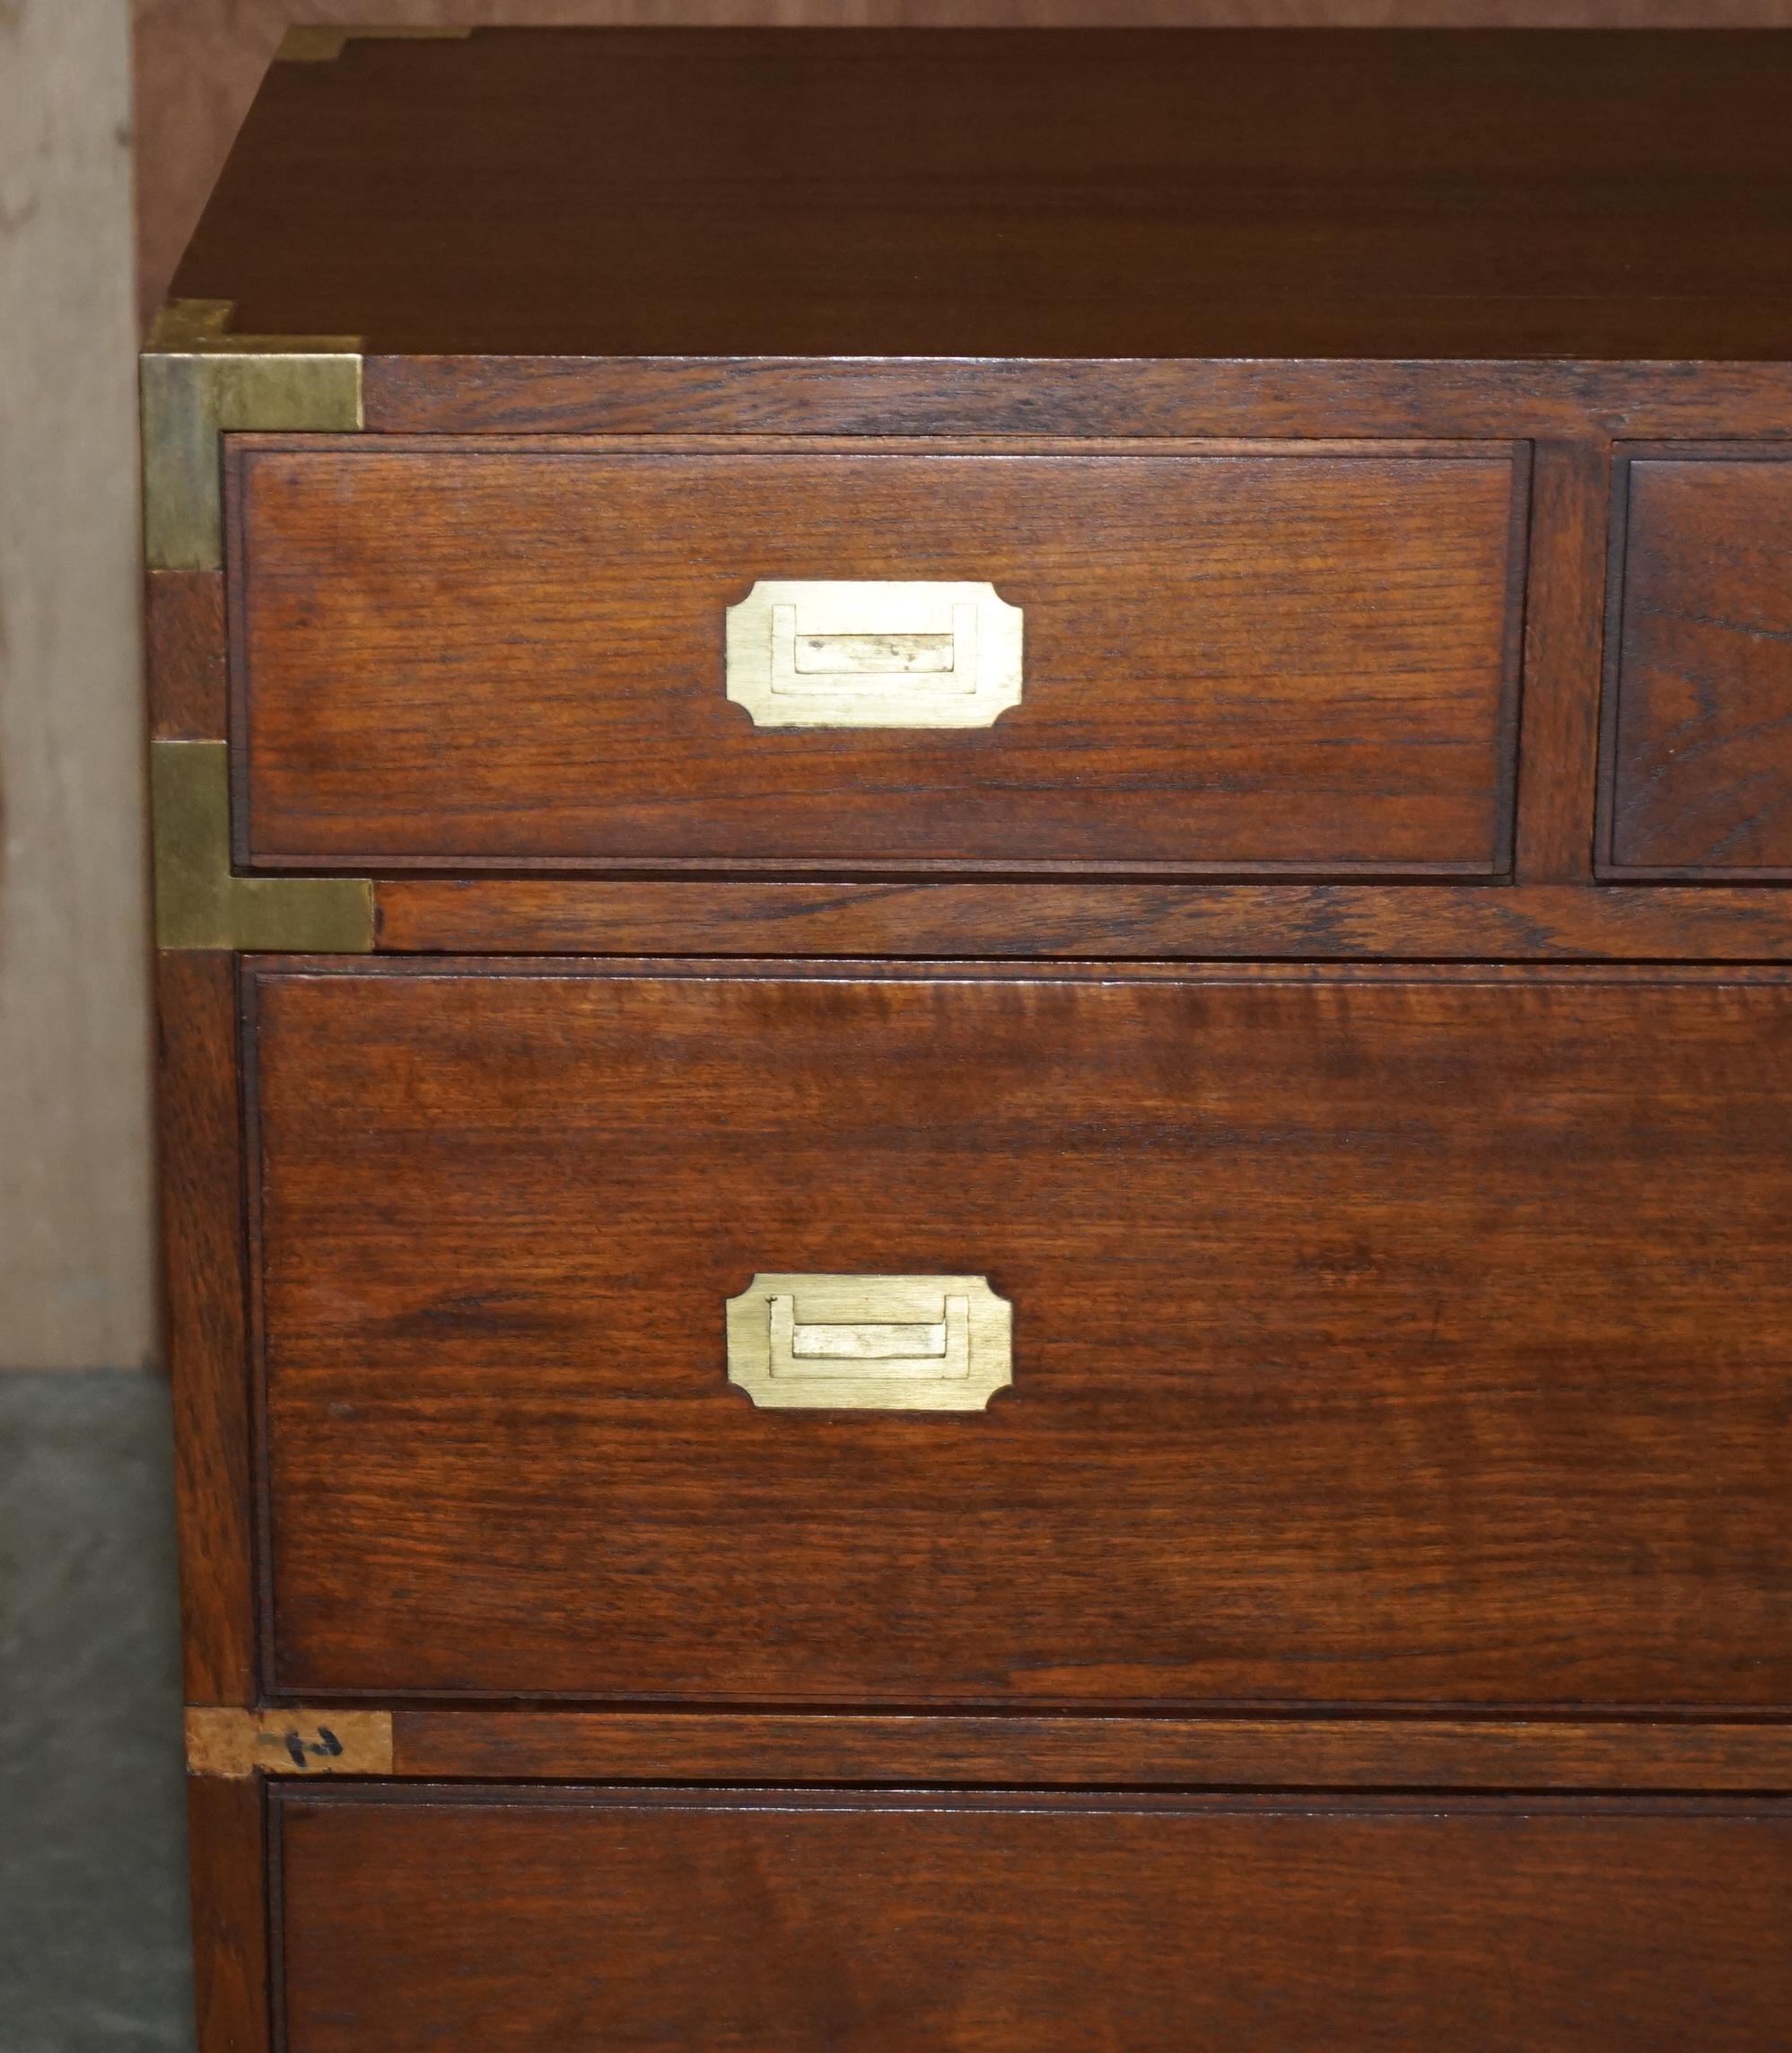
976 1042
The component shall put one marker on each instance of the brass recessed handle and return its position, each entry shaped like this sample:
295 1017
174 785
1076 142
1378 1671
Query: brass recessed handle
870 1343
839 653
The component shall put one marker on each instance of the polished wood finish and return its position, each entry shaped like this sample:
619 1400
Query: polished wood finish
546 395
1028 1924
1564 624
819 1747
1365 1622
201 1229
227 1838
1325 1285
1067 194
1088 921
1700 687
185 654
1278 656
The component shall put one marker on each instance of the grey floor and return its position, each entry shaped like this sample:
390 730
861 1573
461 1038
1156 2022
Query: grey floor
93 1941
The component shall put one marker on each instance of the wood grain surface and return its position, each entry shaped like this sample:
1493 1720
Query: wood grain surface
228 1855
207 1335
820 1747
1095 194
913 396
1564 631
184 634
1256 922
1382 1336
739 1923
199 62
1699 695
470 656
1401 1360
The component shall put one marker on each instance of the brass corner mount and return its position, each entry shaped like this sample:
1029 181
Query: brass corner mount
201 904
199 381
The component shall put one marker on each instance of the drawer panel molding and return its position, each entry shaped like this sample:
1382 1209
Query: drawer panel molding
855 1922
1697 780
1239 660
1368 1320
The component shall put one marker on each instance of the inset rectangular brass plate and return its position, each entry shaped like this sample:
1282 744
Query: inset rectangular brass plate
870 1343
838 653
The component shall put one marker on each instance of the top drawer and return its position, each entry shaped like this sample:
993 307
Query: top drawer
498 653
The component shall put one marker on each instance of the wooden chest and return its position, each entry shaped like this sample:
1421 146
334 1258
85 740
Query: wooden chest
976 1038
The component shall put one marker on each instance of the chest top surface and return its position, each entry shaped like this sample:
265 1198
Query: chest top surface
1008 194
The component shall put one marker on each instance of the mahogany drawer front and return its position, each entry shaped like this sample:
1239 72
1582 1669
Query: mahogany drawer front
767 1922
1381 1336
505 652
1699 699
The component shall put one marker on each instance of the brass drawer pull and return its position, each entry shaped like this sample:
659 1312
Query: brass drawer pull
823 653
870 1343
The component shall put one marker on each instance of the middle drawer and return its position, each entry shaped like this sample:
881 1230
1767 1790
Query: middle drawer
496 653
1394 1336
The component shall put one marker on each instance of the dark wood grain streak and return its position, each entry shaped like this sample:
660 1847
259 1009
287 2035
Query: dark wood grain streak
1256 922
1271 657
184 654
1068 194
1339 1753
202 1230
226 1824
741 1922
491 395
1408 1337
1698 684
1564 625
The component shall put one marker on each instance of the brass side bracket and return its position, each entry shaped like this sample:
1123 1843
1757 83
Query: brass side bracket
237 1743
199 382
200 904
321 45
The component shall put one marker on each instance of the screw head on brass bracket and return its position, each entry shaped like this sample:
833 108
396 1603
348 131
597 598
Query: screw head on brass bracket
198 382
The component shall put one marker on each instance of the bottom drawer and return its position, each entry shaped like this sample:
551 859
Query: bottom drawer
746 1922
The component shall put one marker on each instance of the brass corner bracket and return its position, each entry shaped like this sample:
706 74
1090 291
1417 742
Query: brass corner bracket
200 902
198 381
223 1741
323 45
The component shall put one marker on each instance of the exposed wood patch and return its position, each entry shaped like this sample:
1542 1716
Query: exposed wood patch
223 1741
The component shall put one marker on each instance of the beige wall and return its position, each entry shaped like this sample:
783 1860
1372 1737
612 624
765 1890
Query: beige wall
75 1286
74 1261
